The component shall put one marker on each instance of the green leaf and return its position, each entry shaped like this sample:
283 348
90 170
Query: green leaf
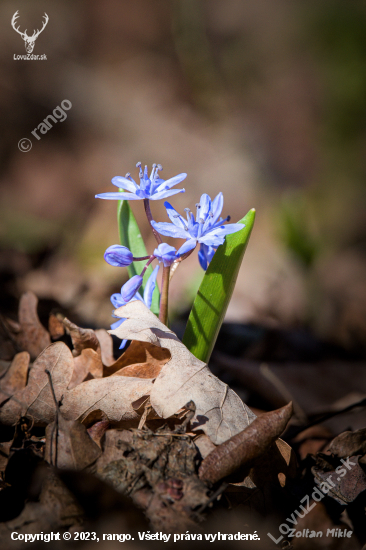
130 236
214 294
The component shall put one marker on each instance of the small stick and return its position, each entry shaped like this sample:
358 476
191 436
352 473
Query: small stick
56 419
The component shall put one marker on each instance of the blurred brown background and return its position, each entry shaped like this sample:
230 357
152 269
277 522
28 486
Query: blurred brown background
264 100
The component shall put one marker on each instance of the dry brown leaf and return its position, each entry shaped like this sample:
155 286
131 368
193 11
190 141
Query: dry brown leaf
243 448
112 395
36 399
82 338
312 440
85 364
106 346
98 429
32 337
141 358
15 378
349 444
8 344
69 446
220 413
55 327
204 445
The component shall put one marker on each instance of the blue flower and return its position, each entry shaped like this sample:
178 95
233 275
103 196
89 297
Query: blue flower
118 256
118 301
153 187
166 254
130 288
207 229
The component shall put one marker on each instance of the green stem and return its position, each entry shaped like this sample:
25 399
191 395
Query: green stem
163 312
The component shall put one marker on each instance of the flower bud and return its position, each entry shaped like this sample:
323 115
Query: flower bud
129 289
118 256
166 254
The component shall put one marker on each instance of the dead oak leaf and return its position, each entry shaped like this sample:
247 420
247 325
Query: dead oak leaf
69 446
86 365
220 413
32 336
106 346
349 444
82 338
113 395
55 326
36 399
140 360
15 378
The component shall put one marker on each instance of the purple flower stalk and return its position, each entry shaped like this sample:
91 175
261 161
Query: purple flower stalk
207 229
153 187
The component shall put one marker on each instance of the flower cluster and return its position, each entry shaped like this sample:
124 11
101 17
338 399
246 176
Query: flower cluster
207 228
153 188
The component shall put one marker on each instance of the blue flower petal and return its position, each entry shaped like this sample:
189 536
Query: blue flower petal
212 240
209 252
174 217
205 206
124 183
130 288
202 259
118 196
150 287
187 246
117 323
217 206
228 229
117 300
166 194
170 230
123 343
171 182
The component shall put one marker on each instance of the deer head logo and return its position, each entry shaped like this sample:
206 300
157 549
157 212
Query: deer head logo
28 40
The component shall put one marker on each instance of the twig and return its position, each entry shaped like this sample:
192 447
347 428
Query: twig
55 429
293 431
